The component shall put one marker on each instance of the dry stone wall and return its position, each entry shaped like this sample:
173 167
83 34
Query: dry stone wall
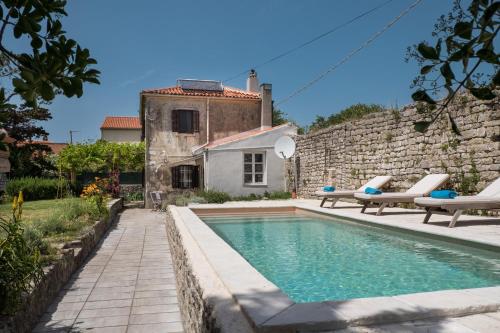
385 143
57 275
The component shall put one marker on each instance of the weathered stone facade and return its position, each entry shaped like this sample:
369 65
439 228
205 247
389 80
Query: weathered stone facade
219 117
386 143
56 275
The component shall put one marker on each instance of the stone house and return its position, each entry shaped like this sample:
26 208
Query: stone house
121 129
183 123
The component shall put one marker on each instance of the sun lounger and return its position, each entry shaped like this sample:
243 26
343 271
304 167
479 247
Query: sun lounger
376 182
489 198
425 186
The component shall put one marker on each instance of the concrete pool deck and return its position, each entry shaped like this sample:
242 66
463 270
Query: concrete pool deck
268 309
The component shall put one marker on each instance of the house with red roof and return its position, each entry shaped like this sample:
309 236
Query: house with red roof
121 129
201 134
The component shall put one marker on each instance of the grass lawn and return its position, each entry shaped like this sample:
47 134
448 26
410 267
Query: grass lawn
35 210
54 221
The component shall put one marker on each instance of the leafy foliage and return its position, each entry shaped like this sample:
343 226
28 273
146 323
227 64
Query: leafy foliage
23 123
35 188
102 156
212 196
19 263
352 112
27 158
279 117
463 56
96 193
31 160
70 220
55 63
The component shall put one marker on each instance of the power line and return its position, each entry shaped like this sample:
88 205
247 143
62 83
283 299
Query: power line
350 55
281 55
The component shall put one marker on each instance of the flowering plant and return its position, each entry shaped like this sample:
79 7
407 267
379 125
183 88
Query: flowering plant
95 192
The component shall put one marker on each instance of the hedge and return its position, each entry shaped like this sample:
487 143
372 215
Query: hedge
35 188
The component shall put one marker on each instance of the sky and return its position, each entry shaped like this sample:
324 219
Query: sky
152 43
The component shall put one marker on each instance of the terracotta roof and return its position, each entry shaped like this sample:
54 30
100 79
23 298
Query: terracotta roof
121 123
241 136
228 92
56 147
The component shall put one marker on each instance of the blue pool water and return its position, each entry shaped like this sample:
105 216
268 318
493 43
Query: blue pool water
314 259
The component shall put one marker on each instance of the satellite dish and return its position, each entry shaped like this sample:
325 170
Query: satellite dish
284 147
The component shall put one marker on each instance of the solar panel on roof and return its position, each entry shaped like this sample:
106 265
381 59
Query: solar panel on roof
200 85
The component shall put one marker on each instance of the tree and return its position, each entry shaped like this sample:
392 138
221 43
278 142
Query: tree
28 158
54 63
23 123
463 57
279 117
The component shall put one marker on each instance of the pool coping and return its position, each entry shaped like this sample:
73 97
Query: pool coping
268 309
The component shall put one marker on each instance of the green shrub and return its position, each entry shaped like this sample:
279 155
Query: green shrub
34 239
197 199
37 188
212 196
250 197
19 265
70 219
133 196
279 195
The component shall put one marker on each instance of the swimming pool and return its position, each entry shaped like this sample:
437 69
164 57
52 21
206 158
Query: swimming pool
311 258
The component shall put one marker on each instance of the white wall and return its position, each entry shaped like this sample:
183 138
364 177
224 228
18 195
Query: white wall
224 171
121 135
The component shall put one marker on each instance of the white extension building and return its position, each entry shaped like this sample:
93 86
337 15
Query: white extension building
245 163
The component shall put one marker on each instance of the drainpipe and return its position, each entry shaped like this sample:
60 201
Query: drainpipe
205 153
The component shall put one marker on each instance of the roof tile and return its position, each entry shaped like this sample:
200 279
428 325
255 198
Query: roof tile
121 123
228 92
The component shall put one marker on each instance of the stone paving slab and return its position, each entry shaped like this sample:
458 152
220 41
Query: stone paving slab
126 285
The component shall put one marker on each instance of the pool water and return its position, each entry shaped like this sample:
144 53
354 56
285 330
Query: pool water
316 259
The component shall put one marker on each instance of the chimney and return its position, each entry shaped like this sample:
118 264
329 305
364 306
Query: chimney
252 81
266 108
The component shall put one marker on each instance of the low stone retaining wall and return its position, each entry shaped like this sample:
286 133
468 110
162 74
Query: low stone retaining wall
205 304
72 256
197 314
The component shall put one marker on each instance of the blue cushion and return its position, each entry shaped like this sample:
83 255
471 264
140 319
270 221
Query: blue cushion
329 188
372 190
444 194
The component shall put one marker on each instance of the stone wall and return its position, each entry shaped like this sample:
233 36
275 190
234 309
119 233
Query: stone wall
197 314
386 143
56 275
206 305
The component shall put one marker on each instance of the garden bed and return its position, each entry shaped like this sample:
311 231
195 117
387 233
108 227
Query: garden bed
57 273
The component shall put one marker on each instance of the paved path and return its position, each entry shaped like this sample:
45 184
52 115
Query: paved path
127 285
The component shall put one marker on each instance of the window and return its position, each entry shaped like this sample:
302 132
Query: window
185 121
185 176
253 168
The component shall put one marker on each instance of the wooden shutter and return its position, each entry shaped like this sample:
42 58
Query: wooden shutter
196 176
175 120
175 177
196 121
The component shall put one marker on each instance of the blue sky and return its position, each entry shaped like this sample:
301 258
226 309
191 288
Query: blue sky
152 43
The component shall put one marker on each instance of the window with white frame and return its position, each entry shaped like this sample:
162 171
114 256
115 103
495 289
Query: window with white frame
253 168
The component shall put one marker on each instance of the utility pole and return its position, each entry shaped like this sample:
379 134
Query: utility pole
71 136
